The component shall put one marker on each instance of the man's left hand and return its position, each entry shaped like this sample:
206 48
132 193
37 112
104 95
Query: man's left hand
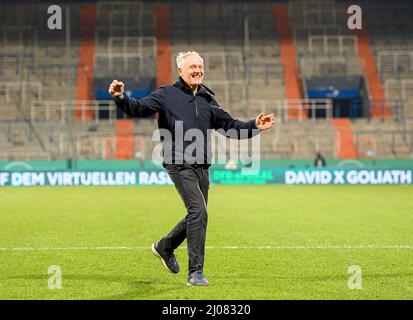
264 122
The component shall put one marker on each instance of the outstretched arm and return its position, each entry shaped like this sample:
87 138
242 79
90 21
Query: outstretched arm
144 107
224 121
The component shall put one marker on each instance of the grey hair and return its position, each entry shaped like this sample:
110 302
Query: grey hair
182 55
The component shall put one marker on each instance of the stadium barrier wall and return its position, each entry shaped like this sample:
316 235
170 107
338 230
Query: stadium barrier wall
124 173
150 165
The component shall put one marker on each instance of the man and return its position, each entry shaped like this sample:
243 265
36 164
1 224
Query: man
187 105
319 161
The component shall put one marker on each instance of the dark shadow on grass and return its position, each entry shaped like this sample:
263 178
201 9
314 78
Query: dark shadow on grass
138 288
144 289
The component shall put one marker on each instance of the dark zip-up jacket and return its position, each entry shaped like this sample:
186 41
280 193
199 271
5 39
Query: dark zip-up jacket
179 111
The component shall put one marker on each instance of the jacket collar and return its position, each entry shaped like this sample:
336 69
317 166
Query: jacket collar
202 89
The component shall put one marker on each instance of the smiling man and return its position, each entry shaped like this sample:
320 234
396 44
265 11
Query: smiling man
188 105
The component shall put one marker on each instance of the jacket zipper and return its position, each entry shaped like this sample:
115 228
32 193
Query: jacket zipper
196 113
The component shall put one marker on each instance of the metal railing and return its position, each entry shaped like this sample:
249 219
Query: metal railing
228 92
385 108
95 145
286 110
313 13
395 62
64 111
319 65
304 32
378 143
403 85
119 19
140 45
25 90
104 32
120 13
14 60
124 64
332 43
60 73
268 70
226 64
18 36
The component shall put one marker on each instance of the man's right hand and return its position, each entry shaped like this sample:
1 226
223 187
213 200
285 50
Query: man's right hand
116 88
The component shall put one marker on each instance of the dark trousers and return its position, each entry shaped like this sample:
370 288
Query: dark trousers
192 184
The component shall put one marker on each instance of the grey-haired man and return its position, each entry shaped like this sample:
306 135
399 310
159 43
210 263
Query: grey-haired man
189 104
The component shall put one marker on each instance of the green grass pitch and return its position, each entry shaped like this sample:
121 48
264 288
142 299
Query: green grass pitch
263 242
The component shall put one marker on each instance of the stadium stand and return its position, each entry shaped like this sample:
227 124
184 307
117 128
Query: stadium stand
259 56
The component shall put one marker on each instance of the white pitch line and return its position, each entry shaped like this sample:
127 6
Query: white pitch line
320 247
323 247
71 248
